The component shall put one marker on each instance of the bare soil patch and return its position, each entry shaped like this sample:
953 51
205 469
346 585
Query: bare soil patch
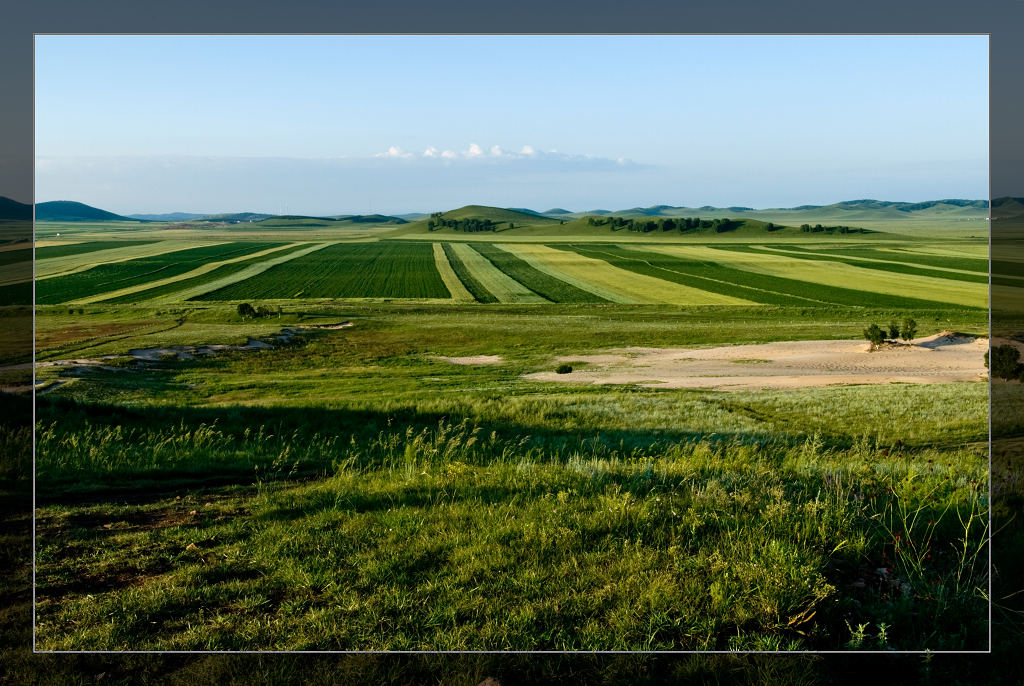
473 360
943 358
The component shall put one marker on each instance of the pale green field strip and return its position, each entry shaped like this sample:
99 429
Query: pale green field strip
501 285
716 277
62 266
842 275
242 275
811 252
623 284
198 271
529 254
451 281
895 260
978 251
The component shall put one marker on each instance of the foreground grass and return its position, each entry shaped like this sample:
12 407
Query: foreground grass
451 539
352 491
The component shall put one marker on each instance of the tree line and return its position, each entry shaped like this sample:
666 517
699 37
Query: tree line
817 228
670 224
469 225
876 335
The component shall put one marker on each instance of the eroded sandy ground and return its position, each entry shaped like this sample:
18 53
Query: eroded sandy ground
942 358
474 360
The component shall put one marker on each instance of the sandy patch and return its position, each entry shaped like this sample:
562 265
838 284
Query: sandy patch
943 358
476 359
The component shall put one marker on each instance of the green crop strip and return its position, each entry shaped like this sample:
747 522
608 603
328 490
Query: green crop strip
354 270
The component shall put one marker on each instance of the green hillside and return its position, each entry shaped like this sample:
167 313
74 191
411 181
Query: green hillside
70 211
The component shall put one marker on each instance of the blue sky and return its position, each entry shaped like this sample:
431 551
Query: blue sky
345 124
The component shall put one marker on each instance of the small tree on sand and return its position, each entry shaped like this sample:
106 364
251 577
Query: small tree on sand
874 335
894 329
908 329
1003 362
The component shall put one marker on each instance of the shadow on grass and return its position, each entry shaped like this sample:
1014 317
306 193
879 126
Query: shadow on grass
251 436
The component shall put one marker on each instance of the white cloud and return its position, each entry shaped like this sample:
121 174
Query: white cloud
396 152
474 151
430 152
496 150
448 155
527 150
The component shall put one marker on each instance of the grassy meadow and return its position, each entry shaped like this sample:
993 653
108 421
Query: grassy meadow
363 466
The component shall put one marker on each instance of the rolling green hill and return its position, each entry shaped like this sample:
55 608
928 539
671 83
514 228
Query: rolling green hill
497 214
14 210
70 211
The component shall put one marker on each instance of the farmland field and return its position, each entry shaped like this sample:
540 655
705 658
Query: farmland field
386 459
115 276
356 270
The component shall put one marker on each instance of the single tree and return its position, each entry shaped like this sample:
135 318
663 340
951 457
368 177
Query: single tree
908 329
246 310
874 335
894 329
1003 362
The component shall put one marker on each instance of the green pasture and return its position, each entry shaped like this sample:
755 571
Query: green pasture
325 487
351 489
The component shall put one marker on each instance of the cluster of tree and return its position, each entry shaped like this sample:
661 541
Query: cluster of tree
876 335
670 224
1003 362
817 228
246 310
469 225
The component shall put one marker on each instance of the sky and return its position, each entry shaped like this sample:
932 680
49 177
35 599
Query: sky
326 125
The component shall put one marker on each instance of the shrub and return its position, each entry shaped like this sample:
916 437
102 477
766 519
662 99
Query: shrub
894 329
1003 362
875 335
563 369
908 329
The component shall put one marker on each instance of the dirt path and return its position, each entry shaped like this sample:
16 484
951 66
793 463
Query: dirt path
943 358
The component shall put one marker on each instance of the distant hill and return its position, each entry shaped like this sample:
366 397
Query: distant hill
525 211
168 217
234 217
370 219
14 210
70 211
1007 207
497 214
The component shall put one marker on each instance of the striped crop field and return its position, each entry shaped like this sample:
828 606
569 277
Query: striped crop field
49 252
618 284
831 282
475 288
211 276
895 255
455 287
702 274
69 264
114 276
885 265
346 270
540 282
496 282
